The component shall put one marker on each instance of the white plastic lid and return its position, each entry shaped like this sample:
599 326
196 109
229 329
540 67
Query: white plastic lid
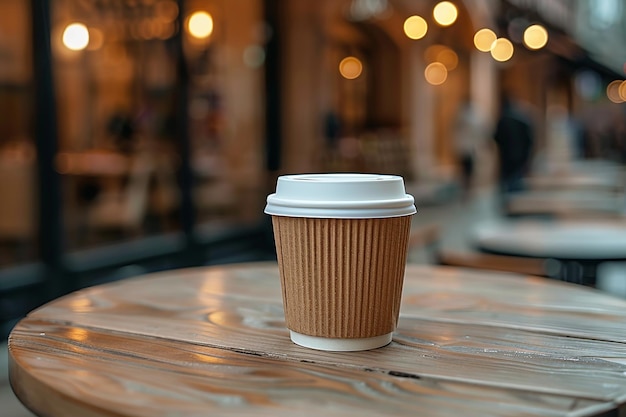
340 196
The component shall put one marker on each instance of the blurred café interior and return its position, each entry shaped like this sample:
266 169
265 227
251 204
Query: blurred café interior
143 135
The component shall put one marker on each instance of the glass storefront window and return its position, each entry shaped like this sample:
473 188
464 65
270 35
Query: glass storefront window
115 78
116 81
18 223
226 112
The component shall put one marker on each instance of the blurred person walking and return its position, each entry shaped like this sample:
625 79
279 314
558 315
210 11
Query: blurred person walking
469 135
514 137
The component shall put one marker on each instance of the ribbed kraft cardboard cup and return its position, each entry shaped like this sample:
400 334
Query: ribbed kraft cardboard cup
341 243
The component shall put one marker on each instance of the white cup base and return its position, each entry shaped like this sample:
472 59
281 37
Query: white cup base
339 345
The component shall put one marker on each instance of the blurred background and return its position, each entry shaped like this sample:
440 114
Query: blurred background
143 135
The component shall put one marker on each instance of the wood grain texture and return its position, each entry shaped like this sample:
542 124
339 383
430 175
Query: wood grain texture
212 341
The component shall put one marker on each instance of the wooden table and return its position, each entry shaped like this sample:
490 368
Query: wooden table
212 341
579 245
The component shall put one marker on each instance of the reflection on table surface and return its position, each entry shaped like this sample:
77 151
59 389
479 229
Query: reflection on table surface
212 340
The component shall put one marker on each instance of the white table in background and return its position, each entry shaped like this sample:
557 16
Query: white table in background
578 246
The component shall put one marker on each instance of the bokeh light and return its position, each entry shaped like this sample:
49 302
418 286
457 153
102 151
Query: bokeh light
415 27
502 50
445 13
147 29
200 25
443 54
76 37
622 90
535 37
436 73
166 10
483 39
449 58
431 54
350 67
612 91
166 30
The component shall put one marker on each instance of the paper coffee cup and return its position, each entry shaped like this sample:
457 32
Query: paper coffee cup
341 243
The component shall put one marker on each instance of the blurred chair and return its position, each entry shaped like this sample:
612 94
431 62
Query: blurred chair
477 260
582 215
565 204
124 210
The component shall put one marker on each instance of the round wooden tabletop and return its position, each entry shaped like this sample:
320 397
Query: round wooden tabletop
212 341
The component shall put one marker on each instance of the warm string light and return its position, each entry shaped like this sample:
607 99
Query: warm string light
350 68
445 13
502 49
415 27
616 91
484 39
535 37
200 25
436 73
441 59
622 90
76 36
442 54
